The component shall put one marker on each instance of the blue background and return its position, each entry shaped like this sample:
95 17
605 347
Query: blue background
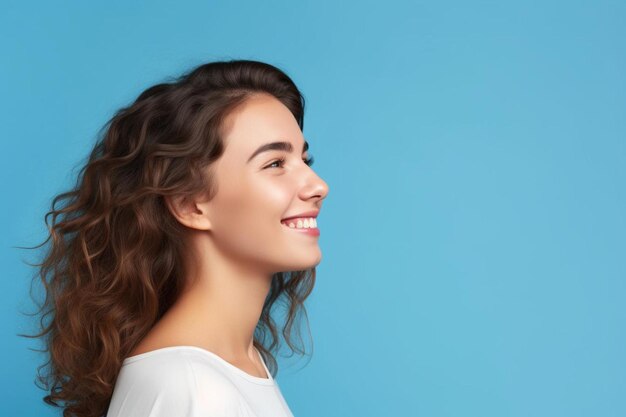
474 250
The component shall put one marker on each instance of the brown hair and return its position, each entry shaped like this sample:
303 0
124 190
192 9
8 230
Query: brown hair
114 263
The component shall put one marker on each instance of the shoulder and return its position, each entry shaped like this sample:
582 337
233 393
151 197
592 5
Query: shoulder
173 383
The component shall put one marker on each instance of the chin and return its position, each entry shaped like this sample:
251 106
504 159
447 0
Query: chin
312 263
301 266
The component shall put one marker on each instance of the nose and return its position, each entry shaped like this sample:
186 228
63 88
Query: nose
314 187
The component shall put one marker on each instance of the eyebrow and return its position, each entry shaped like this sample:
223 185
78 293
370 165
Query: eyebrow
277 146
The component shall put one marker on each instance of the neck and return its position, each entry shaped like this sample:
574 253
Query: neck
221 305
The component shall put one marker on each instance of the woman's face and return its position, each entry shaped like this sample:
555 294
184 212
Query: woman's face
256 192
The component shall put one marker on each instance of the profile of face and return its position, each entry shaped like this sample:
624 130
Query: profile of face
256 192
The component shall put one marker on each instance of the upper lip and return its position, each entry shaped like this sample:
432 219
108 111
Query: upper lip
312 213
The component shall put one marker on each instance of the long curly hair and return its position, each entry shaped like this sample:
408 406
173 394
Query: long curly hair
113 264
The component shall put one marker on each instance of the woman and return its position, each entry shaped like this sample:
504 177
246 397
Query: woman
196 212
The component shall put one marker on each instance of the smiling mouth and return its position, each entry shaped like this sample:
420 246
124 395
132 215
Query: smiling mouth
304 223
299 228
314 231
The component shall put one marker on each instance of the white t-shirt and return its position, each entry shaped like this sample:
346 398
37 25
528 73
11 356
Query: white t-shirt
189 381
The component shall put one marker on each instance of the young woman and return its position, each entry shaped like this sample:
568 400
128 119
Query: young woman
195 213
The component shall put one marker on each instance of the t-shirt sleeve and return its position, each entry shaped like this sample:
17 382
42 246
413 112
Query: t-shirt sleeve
171 388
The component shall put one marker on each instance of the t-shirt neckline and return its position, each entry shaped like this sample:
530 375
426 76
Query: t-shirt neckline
256 379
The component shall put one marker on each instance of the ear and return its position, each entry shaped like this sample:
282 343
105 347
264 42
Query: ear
189 212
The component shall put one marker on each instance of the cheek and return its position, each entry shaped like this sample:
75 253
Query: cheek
252 206
268 193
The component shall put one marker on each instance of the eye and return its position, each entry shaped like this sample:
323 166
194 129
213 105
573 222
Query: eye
308 161
278 161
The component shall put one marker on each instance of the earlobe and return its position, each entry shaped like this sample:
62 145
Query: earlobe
188 212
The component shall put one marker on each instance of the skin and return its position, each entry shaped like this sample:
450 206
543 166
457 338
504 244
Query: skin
237 241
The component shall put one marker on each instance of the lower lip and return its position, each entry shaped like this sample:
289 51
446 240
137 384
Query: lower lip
311 232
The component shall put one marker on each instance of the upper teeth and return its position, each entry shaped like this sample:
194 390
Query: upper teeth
302 223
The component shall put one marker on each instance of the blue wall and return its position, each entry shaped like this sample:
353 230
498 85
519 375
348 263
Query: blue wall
474 250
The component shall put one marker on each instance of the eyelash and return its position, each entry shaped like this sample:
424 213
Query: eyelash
308 161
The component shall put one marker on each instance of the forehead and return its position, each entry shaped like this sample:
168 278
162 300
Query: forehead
260 119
